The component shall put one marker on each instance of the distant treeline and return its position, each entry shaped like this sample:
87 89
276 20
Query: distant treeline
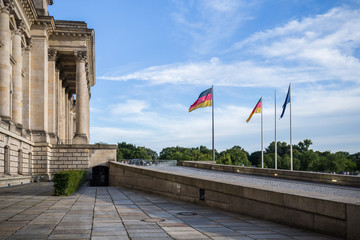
304 158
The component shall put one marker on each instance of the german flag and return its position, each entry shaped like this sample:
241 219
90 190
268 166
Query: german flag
204 100
257 109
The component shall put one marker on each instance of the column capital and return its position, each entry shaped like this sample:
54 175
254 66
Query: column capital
8 6
28 43
52 54
18 31
80 55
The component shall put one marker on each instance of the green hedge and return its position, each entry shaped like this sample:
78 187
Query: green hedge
67 182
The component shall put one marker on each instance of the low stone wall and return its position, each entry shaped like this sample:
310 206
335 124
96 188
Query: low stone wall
335 218
17 146
25 158
336 179
13 181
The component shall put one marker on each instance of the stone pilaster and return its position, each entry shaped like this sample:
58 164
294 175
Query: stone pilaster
66 100
82 100
26 85
39 87
17 79
57 107
5 66
52 94
62 112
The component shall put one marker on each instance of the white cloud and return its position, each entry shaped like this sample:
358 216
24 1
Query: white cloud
129 107
326 41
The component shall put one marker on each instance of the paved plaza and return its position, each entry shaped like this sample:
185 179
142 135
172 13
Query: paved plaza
31 212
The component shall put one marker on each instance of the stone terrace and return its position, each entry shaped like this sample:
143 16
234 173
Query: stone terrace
31 212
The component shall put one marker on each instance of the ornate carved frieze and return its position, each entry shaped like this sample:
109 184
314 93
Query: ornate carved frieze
52 54
81 55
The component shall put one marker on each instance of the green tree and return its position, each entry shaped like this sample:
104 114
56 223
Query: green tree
255 158
237 155
224 159
130 151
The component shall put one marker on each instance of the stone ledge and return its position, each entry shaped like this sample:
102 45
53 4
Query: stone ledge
343 180
332 217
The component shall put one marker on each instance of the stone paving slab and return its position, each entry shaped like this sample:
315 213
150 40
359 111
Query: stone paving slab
31 212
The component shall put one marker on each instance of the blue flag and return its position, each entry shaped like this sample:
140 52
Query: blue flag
287 100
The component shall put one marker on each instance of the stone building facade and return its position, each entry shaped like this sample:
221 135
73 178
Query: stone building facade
47 69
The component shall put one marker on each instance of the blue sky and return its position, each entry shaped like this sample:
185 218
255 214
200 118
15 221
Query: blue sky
153 59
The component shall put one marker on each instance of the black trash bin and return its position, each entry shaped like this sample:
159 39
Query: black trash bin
100 176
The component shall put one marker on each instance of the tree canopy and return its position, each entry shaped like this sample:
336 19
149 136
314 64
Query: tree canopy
304 158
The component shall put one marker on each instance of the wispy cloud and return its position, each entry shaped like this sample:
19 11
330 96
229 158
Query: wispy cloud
206 22
315 49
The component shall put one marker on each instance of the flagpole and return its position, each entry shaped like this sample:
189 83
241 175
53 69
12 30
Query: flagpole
213 142
275 135
262 136
291 148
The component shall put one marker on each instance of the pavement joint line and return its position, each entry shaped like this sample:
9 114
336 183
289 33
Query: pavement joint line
61 198
25 208
92 223
38 215
174 215
22 200
122 222
144 211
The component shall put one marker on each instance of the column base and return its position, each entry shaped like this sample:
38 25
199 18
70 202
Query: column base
39 136
80 139
5 118
53 138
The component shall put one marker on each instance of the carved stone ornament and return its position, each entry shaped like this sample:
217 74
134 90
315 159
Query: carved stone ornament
81 55
52 53
8 6
18 31
28 43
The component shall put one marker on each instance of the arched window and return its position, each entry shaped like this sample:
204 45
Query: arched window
20 162
30 163
6 160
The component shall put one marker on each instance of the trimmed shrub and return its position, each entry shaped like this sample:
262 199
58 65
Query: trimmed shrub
67 182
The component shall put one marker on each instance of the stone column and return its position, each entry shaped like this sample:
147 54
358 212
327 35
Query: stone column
52 94
82 100
26 85
17 79
5 67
